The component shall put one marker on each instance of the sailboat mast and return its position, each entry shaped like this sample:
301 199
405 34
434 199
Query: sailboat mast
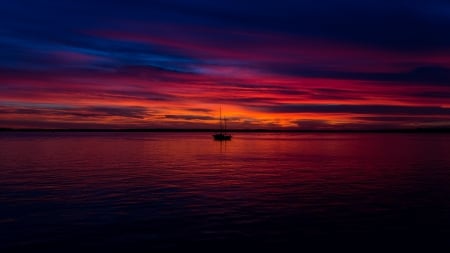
220 119
225 125
222 135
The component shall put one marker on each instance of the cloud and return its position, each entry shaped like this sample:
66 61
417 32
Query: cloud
189 117
122 111
202 110
433 94
306 124
430 75
405 119
357 109
81 112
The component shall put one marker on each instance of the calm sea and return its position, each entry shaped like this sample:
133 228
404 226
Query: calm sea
63 192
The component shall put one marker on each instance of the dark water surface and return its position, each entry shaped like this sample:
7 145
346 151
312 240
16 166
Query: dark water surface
126 192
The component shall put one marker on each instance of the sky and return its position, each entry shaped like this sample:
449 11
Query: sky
311 65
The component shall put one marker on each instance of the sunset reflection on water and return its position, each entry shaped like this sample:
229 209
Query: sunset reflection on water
75 191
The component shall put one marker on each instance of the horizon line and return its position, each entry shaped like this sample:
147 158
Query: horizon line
387 130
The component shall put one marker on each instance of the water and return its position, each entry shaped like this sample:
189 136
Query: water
178 191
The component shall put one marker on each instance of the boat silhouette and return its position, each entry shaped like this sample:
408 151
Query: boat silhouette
222 135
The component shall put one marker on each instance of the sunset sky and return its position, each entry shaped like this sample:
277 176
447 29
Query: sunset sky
269 64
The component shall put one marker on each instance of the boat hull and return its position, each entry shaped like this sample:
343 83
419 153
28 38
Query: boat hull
222 137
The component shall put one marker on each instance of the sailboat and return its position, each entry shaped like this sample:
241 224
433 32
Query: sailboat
222 135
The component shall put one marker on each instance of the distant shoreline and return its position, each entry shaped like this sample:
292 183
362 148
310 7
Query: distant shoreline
417 130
